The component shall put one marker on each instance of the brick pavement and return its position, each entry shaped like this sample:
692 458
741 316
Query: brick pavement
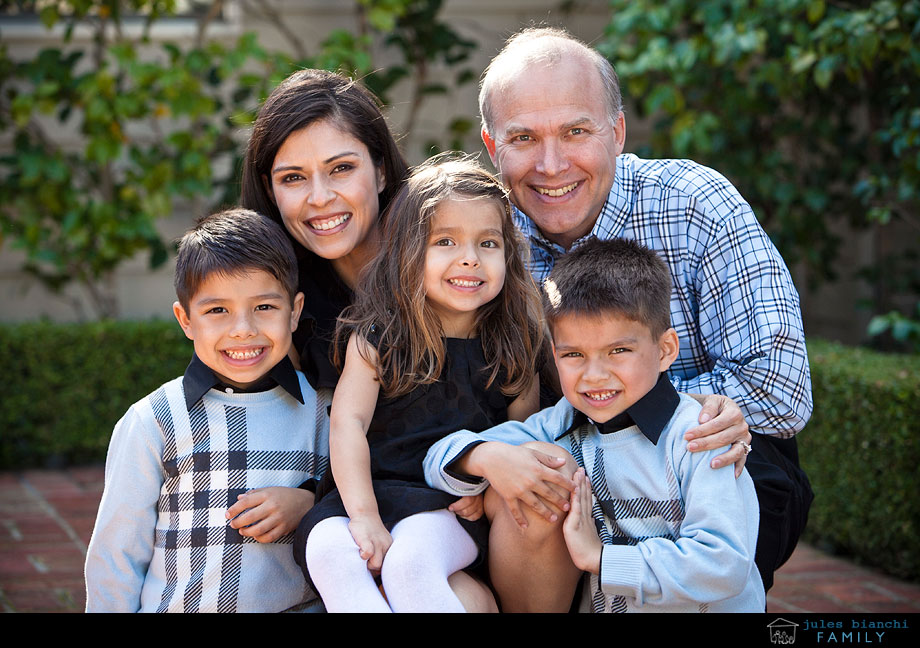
46 518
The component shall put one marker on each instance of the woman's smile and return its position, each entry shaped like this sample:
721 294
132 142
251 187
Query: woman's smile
326 188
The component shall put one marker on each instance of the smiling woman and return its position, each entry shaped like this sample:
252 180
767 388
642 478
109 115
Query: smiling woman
326 186
321 161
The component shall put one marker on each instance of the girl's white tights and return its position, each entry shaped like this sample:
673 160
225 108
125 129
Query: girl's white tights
427 548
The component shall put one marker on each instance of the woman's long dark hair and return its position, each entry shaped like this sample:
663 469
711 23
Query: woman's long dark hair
390 302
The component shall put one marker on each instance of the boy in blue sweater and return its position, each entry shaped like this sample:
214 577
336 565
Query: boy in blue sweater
203 478
662 530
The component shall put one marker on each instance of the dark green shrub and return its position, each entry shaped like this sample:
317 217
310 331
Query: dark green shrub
862 453
72 382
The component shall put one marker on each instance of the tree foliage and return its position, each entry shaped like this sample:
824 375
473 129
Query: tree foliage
107 138
811 107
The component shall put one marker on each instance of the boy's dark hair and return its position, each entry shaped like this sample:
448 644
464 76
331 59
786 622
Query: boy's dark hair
232 242
617 276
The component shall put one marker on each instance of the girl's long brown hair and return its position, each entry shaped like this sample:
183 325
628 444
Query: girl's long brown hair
390 300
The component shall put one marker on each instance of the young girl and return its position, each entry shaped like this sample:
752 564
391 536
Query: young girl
444 335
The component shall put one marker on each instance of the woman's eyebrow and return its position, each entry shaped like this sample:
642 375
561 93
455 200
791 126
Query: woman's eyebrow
340 155
297 167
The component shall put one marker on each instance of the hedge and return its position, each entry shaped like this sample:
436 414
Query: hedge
72 382
862 455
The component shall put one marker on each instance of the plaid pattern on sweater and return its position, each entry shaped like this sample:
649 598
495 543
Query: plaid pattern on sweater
171 475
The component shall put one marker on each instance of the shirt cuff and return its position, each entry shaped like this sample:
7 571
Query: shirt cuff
621 569
309 485
459 481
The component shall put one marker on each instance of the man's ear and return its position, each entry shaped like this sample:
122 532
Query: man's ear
668 346
490 144
619 132
183 319
295 311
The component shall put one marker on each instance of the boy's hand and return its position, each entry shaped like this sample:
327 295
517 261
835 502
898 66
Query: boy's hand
521 475
469 507
579 530
721 424
373 540
267 514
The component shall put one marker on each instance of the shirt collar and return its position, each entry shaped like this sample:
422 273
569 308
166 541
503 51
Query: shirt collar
199 378
610 222
650 414
618 206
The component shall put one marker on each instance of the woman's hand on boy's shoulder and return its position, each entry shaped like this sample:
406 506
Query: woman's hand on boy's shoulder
267 514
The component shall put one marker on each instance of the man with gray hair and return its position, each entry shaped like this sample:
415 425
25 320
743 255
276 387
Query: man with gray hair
554 127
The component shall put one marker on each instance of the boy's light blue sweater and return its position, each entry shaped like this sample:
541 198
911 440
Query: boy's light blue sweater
678 536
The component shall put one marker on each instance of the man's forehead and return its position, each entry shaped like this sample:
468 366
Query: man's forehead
523 106
527 68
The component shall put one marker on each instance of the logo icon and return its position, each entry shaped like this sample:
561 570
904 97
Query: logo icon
782 631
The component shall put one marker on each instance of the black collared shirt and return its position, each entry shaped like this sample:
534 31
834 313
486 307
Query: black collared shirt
650 413
199 378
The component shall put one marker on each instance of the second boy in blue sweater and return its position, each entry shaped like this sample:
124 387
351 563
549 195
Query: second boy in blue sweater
663 531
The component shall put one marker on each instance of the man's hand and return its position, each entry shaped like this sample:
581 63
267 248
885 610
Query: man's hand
266 514
721 424
579 529
522 476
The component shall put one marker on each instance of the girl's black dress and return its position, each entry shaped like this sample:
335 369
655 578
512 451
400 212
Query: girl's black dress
402 431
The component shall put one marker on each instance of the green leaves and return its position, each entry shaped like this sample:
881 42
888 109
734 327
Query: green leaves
809 107
902 328
345 52
138 134
108 139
